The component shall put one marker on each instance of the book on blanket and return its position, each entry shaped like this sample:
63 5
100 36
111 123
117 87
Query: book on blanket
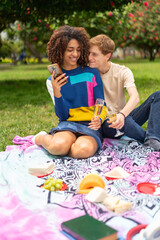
88 228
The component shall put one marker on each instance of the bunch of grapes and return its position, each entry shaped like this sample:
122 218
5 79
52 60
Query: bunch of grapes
52 184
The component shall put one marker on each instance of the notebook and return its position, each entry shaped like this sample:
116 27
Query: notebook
88 228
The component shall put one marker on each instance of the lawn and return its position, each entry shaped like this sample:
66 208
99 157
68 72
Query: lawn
26 107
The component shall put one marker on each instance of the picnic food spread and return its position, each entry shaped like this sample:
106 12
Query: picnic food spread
113 203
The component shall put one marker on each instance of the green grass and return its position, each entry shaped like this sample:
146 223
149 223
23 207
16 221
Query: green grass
26 107
146 74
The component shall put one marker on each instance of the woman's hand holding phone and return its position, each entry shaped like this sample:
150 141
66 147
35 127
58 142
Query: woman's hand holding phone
58 78
57 83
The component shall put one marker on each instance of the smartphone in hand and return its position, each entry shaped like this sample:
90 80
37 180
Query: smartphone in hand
55 67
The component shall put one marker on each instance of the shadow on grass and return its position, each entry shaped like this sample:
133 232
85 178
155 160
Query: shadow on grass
19 93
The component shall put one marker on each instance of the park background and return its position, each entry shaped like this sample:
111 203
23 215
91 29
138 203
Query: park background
25 28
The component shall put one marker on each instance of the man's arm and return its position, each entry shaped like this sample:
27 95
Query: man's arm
132 101
130 105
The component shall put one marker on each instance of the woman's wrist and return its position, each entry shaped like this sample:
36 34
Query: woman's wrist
57 93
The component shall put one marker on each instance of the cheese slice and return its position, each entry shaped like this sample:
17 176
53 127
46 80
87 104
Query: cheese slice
122 206
41 169
97 194
114 203
117 172
111 201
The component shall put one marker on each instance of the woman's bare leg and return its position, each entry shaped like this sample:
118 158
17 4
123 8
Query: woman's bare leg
83 147
58 144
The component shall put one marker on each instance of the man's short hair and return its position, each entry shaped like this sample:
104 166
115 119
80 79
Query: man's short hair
105 44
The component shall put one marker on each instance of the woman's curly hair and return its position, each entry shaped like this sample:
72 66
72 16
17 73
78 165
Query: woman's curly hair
59 41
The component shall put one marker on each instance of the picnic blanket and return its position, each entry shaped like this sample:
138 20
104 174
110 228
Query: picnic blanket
28 211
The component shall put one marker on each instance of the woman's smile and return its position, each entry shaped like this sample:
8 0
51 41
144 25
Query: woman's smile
71 55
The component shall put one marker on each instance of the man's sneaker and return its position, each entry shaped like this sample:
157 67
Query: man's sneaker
154 143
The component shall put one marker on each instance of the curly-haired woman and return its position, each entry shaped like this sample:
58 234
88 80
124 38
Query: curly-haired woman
74 93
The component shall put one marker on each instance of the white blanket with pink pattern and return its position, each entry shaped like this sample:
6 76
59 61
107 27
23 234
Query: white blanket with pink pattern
30 212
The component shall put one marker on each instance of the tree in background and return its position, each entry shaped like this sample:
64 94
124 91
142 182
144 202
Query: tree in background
135 24
10 47
34 36
142 28
33 21
29 11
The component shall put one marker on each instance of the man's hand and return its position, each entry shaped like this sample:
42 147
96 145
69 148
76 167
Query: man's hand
118 123
95 123
57 83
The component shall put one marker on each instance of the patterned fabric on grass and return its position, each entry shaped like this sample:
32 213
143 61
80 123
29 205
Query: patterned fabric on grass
30 212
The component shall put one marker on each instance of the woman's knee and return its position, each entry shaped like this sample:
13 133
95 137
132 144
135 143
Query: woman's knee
83 149
59 146
61 143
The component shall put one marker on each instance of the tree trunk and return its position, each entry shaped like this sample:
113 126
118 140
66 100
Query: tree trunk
134 53
151 54
33 51
124 52
145 54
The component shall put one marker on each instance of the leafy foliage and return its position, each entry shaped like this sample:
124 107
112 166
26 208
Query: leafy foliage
29 11
136 24
128 23
142 28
